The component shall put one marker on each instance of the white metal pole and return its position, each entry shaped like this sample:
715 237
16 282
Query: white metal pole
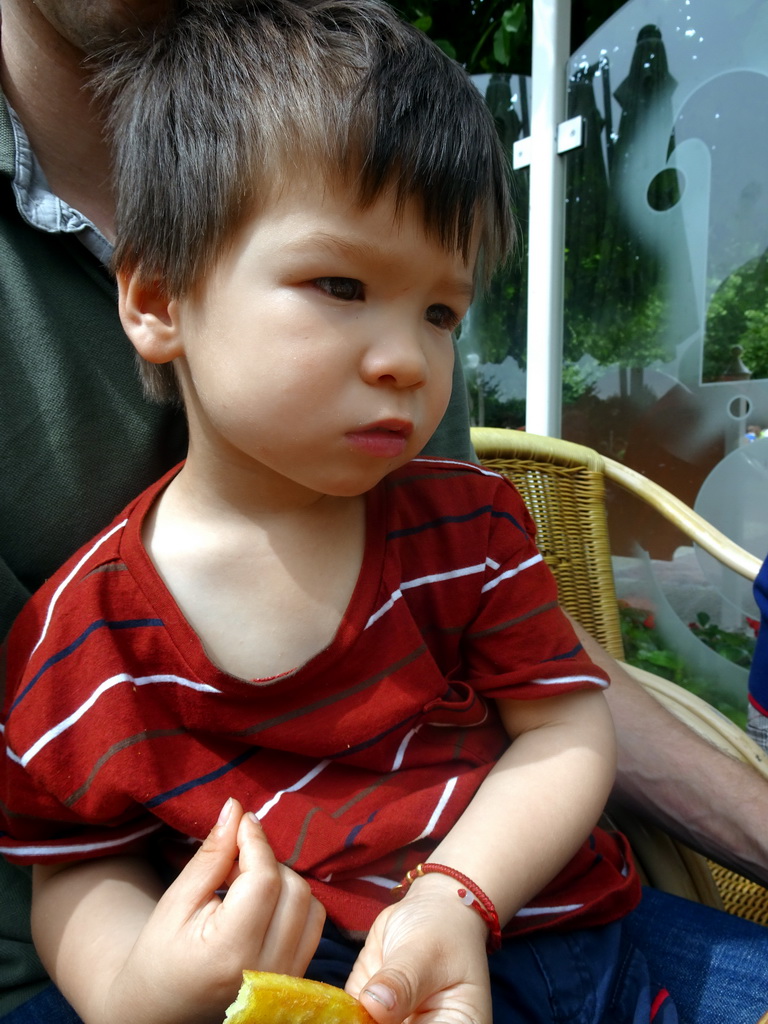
551 45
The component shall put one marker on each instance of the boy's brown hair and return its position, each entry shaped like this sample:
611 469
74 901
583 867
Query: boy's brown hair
231 100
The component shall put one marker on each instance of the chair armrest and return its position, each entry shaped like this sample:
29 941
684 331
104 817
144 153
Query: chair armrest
691 523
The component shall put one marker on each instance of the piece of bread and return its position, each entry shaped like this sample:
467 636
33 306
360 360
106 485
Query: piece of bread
279 999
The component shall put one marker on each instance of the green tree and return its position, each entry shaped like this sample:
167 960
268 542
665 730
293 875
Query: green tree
737 317
483 35
494 37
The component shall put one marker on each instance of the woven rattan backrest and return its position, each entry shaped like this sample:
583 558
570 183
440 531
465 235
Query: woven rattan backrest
563 486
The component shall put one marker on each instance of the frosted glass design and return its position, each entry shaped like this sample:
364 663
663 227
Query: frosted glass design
666 306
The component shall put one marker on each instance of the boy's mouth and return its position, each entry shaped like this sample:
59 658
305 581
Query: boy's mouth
386 439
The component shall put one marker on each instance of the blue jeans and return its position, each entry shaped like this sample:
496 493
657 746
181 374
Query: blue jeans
715 966
47 1007
592 976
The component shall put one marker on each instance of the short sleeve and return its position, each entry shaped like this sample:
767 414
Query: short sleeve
521 644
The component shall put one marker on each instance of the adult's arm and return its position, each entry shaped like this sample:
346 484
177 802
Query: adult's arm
674 778
679 781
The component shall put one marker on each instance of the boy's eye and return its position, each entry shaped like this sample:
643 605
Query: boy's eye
442 317
345 288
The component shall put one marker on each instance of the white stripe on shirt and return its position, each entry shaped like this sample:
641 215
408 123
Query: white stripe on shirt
65 583
441 805
463 465
303 781
108 684
421 581
540 911
106 844
534 560
397 763
580 677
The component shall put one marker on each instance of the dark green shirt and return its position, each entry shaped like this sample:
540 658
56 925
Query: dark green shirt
77 441
77 438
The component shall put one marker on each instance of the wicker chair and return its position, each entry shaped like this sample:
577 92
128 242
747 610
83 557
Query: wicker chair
563 485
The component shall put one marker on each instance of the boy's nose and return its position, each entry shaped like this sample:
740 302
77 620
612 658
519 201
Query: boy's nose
396 359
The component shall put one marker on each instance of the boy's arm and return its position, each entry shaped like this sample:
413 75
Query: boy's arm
121 949
426 954
667 773
540 802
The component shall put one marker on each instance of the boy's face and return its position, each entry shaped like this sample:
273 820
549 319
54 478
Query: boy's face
319 349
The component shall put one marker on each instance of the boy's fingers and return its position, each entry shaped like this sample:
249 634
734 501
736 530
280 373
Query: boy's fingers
394 992
255 851
261 882
308 941
211 865
400 989
275 902
257 882
412 980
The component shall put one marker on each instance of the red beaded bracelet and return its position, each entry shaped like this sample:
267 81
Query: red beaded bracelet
469 893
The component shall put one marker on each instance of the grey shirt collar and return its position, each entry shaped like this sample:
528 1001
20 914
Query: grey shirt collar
41 208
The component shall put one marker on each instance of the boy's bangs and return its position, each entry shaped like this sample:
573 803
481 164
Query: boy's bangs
422 129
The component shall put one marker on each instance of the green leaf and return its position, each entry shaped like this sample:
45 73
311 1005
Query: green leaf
502 51
510 23
665 659
424 23
446 47
513 19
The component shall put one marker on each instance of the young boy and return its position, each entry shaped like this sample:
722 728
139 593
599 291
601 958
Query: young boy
304 619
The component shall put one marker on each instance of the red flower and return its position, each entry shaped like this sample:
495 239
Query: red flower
754 625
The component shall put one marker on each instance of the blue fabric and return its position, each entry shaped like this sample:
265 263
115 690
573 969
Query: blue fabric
591 976
47 1007
714 965
758 675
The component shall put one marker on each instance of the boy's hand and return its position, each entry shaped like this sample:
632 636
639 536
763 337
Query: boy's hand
425 960
191 953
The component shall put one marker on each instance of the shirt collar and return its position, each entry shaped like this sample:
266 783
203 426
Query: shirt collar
40 208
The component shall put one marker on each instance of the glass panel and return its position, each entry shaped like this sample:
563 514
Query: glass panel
493 335
666 308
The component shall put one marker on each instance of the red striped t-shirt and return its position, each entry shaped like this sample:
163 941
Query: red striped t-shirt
121 735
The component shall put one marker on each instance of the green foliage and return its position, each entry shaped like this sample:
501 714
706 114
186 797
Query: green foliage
487 408
616 332
495 35
577 384
645 648
616 311
483 35
736 647
738 316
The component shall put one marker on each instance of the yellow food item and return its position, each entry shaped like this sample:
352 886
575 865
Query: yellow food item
279 999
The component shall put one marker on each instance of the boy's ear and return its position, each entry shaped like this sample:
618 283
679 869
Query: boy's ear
149 318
